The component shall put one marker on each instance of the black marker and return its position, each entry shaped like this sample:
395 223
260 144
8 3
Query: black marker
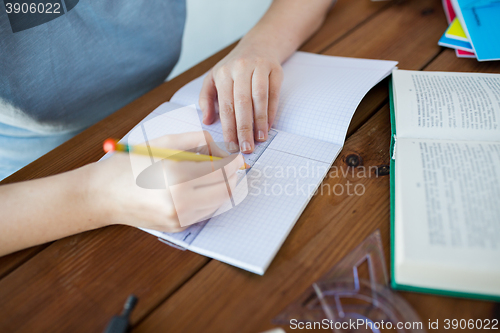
120 324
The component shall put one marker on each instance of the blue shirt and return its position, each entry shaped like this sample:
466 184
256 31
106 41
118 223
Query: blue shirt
62 72
76 69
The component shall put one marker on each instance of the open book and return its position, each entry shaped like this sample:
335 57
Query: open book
318 98
446 182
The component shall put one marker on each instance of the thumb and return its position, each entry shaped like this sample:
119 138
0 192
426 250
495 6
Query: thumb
201 142
231 164
182 141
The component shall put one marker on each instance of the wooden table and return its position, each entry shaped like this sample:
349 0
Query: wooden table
76 284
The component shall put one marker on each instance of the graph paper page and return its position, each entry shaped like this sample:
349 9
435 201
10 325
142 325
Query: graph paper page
318 98
319 93
249 236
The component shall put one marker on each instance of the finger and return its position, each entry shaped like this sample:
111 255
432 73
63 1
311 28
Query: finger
212 149
232 182
195 216
201 173
215 150
275 80
260 90
202 215
231 164
208 95
210 196
195 204
170 228
182 141
200 142
243 109
226 112
208 200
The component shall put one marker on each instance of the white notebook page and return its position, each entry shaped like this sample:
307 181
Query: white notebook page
318 98
250 235
319 93
304 162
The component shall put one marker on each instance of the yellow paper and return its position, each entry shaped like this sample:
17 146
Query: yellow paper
455 31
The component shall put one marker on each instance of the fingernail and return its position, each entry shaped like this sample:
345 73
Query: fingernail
232 147
261 135
245 146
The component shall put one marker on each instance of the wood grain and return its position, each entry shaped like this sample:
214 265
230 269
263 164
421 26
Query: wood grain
448 62
43 277
86 147
91 297
11 262
233 300
345 17
212 291
417 18
78 283
407 32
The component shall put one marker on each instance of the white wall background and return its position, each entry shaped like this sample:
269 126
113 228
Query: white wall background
212 25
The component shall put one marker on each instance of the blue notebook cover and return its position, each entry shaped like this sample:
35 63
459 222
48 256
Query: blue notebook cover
455 44
481 22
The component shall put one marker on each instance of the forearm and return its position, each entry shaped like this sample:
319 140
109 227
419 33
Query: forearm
43 210
286 25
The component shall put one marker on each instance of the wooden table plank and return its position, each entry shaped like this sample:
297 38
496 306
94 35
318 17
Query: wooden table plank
75 286
233 300
301 260
404 32
11 262
447 61
85 148
86 305
384 37
344 18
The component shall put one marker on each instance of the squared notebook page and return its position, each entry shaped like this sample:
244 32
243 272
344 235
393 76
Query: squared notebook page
250 235
314 150
319 93
305 162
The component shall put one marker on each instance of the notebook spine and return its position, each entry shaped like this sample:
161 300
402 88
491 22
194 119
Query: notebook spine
172 244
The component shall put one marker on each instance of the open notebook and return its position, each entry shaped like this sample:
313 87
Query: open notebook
318 98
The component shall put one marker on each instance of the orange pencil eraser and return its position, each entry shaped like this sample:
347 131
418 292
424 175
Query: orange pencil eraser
109 145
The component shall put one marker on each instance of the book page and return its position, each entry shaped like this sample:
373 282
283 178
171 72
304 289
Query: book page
440 105
447 202
446 215
319 93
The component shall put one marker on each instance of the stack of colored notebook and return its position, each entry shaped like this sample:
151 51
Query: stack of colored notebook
474 28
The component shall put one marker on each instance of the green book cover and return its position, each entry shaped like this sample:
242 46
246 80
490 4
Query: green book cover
394 284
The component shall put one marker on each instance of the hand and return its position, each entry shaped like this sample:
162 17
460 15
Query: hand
191 193
246 84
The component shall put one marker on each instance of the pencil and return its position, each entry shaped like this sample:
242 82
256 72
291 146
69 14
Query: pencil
111 145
